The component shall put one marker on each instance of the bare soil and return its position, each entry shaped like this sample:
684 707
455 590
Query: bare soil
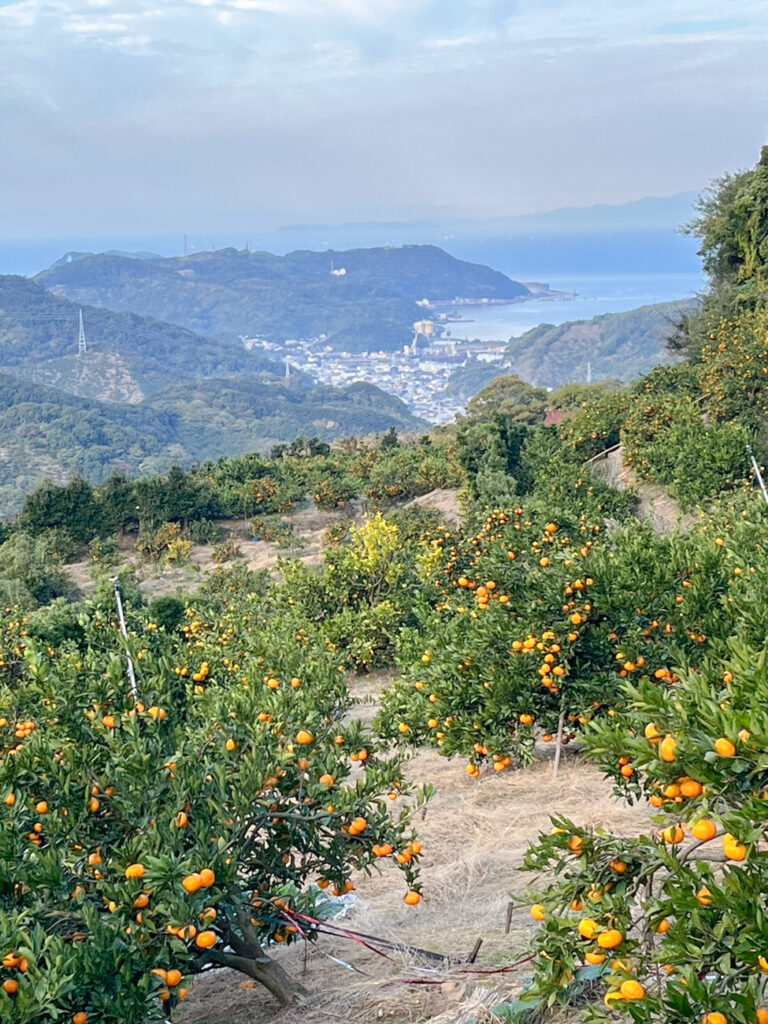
655 506
445 500
474 833
308 524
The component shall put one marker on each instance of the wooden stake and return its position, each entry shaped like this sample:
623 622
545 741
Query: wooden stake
510 911
560 728
475 951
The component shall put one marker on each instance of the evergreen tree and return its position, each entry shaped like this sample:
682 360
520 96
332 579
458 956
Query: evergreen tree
117 502
72 508
732 226
389 440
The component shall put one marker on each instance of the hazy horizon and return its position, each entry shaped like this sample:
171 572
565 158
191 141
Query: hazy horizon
135 116
641 237
424 217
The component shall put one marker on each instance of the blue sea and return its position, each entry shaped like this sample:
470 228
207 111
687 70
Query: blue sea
594 294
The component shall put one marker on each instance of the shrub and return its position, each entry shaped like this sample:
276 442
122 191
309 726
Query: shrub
226 551
675 446
204 531
167 612
31 574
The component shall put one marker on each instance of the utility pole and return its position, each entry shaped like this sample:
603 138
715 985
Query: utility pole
124 631
82 345
758 474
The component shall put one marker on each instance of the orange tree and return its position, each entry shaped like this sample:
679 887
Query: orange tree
514 645
362 594
734 366
672 923
596 424
536 625
141 843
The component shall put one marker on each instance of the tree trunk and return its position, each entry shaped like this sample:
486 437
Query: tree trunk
272 976
250 959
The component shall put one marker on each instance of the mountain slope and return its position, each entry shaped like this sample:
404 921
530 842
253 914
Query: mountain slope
128 356
618 346
50 433
146 395
235 415
228 294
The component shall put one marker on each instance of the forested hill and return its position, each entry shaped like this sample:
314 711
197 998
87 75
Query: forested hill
49 433
128 356
620 346
227 294
147 394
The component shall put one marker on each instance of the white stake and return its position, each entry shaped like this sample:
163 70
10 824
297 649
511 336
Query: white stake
124 631
758 474
559 738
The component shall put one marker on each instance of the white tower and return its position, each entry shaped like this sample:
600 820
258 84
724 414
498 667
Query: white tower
82 346
287 368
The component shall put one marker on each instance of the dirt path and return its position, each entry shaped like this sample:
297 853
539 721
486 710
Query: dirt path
475 834
655 506
444 500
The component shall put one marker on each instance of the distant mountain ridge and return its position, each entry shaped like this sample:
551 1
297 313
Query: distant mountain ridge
637 237
360 299
647 212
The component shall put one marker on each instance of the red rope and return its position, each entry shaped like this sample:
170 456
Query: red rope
329 928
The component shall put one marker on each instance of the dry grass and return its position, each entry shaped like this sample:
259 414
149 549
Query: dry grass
309 526
474 834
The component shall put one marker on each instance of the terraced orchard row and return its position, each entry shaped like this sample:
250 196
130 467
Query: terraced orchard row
209 820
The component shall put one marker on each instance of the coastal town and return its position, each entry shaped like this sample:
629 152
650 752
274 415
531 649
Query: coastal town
423 373
419 374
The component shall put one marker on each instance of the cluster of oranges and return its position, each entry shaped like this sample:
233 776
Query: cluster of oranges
198 880
171 980
21 731
551 670
14 962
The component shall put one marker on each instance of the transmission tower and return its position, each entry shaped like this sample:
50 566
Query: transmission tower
82 345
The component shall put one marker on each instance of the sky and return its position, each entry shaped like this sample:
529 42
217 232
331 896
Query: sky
164 115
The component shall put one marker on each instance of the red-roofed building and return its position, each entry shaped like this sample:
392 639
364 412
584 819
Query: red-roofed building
555 417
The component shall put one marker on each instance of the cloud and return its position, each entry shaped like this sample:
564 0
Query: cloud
80 25
706 26
171 110
455 42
